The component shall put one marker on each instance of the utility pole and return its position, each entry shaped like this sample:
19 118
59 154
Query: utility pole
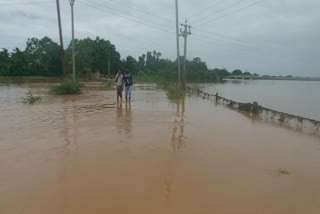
73 56
185 33
178 45
109 65
63 61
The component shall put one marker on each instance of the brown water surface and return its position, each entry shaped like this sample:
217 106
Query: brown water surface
87 154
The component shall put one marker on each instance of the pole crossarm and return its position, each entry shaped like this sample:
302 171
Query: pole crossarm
185 31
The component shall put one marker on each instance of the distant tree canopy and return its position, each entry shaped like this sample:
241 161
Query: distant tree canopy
237 72
94 55
41 57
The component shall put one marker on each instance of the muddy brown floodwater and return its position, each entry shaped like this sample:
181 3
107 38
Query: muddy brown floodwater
85 154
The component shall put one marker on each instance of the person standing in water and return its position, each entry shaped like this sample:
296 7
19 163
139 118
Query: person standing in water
119 85
128 82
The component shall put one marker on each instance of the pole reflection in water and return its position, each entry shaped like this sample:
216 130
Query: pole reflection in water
69 150
70 128
177 143
177 140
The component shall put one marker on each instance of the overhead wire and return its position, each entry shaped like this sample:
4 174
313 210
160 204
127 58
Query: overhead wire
156 26
228 14
151 26
198 37
206 8
211 42
119 11
139 21
115 11
222 37
142 11
234 4
26 3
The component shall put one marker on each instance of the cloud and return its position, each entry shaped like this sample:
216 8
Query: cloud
270 37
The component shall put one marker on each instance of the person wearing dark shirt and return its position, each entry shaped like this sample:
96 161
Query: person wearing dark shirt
128 82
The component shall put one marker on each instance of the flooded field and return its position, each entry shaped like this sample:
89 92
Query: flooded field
86 154
294 97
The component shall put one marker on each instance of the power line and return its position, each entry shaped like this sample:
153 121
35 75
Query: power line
124 17
140 10
221 10
110 8
222 37
205 40
206 8
137 21
218 39
240 9
119 13
113 9
25 3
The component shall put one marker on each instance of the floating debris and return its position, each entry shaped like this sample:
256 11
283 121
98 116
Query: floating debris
284 172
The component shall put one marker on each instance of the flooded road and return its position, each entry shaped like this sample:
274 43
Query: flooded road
87 154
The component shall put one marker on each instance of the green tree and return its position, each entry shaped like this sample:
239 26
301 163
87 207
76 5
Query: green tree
4 62
43 57
18 63
131 64
142 62
94 55
237 72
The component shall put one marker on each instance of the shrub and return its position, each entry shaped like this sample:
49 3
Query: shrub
30 98
109 84
172 92
68 86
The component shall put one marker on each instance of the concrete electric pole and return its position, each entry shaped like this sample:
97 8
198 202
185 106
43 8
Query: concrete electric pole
185 33
178 45
73 53
63 61
109 65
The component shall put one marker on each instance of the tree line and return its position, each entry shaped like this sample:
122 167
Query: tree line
42 57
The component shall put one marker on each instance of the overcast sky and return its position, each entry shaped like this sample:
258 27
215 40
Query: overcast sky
274 37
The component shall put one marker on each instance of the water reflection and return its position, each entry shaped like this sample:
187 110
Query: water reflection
128 120
119 117
177 143
124 119
177 139
70 127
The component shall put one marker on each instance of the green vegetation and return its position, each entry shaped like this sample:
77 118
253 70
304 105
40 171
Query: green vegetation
173 92
67 86
26 79
30 98
41 57
109 84
168 86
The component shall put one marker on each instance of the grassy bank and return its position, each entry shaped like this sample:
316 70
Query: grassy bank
168 86
68 87
27 79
